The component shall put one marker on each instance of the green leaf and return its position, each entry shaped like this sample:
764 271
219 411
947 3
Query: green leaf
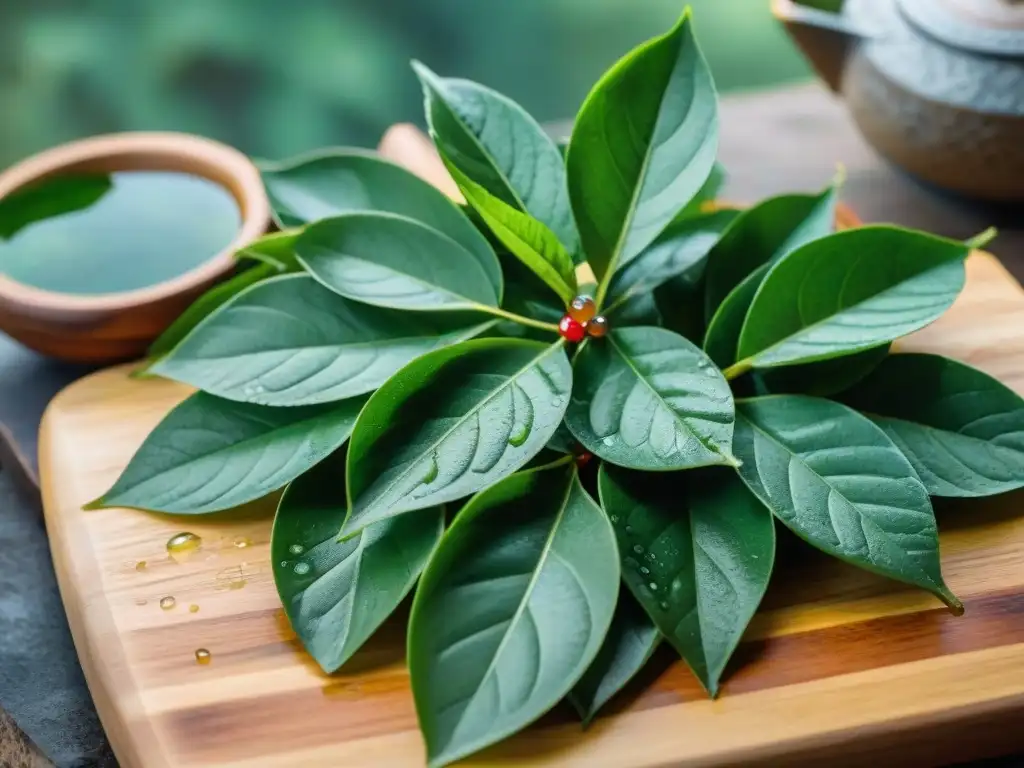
495 143
706 195
685 245
528 240
290 341
823 378
331 183
210 454
698 550
737 265
59 195
393 261
336 593
837 481
510 611
526 294
961 429
642 147
649 399
762 235
452 422
628 646
276 249
206 304
848 292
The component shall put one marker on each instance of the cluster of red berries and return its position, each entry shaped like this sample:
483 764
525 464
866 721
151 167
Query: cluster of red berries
579 320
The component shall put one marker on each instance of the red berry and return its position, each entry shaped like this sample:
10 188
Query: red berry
598 327
583 458
581 309
571 330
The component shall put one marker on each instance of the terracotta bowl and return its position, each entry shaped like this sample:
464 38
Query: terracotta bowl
119 326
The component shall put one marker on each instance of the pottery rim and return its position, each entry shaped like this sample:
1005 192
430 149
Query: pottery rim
156 151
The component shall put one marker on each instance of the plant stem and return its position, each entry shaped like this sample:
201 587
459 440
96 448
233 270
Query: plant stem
499 312
737 369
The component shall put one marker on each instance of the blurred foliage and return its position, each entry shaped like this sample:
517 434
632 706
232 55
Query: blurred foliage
276 77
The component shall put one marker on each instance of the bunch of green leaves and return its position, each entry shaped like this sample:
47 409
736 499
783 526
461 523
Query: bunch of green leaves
393 362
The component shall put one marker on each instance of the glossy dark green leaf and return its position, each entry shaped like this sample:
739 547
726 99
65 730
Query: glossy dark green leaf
642 147
839 482
393 261
762 235
336 593
290 341
526 294
276 250
705 198
649 399
327 184
961 429
210 454
738 264
510 611
452 422
59 195
628 646
680 248
205 305
527 239
697 551
494 142
823 378
848 292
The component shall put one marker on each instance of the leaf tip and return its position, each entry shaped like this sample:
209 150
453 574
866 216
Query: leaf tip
99 502
952 601
982 239
840 175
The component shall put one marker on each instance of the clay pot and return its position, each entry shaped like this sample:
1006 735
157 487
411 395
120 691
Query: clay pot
120 326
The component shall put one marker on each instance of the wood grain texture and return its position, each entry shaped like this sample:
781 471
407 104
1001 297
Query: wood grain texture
840 666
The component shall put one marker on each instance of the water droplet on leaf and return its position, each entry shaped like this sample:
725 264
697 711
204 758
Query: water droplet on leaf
301 569
167 603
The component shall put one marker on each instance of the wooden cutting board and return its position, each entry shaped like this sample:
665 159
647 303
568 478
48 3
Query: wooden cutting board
840 666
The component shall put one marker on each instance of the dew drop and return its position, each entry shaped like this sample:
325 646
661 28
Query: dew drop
231 578
296 549
522 410
241 542
203 656
140 566
663 605
629 529
615 518
167 603
556 401
301 569
284 563
431 474
182 546
193 608
645 570
610 440
638 549
653 587
651 557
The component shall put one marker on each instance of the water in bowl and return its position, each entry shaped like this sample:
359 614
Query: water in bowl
92 234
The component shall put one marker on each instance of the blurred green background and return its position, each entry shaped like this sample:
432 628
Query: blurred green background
277 77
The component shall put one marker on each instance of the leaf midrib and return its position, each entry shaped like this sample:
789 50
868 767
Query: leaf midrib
669 408
521 608
228 449
825 320
862 517
448 433
939 430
